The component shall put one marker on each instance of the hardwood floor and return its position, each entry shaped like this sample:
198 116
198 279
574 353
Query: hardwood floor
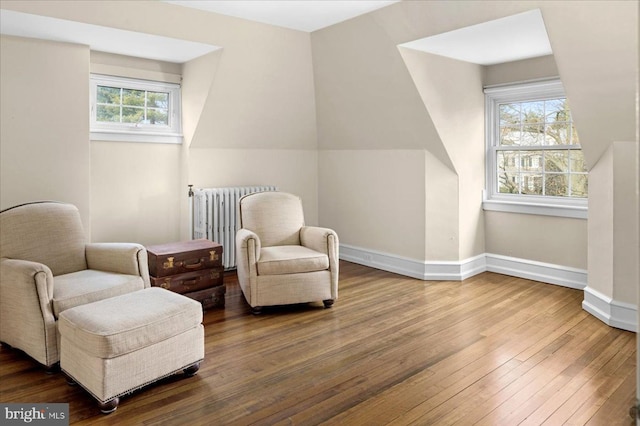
492 350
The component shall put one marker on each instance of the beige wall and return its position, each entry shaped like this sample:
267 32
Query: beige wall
256 93
518 71
374 199
44 131
289 170
548 239
382 148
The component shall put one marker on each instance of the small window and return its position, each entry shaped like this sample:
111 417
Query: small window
124 109
534 159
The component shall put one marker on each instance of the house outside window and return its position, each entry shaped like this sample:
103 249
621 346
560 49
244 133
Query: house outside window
132 110
534 159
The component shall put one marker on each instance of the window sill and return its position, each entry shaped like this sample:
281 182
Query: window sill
143 137
575 212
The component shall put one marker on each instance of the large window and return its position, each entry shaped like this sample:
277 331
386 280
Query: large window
534 159
134 110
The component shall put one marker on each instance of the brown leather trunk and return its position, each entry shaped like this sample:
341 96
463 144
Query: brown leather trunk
209 298
187 256
190 281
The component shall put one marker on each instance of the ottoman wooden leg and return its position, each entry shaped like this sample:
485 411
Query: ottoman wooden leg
192 369
109 406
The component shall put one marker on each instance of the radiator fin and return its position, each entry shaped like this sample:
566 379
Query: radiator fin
215 216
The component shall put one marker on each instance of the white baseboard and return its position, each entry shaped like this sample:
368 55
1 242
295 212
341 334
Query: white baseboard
537 271
434 271
611 312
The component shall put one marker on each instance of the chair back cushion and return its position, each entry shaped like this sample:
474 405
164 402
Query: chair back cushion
276 217
50 233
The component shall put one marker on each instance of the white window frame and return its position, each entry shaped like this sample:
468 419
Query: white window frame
137 132
516 203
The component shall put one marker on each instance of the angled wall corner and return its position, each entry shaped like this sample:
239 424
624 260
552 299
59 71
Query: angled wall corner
451 91
197 80
596 50
614 246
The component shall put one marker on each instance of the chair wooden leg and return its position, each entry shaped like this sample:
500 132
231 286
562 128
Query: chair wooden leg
70 381
52 369
256 310
328 303
109 406
192 369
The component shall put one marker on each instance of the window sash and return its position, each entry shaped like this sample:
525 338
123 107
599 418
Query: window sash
540 177
134 119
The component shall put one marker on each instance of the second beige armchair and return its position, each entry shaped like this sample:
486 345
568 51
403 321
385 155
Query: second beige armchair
281 261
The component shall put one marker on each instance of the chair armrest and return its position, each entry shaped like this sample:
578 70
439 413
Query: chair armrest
27 321
324 240
23 276
122 258
247 254
244 238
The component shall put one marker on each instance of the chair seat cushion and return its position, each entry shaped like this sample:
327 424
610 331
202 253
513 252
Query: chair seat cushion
123 324
82 287
279 260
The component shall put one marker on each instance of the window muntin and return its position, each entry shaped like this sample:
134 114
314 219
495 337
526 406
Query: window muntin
135 110
533 150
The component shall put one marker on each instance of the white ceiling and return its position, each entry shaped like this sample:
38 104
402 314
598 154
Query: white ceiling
508 39
102 39
302 15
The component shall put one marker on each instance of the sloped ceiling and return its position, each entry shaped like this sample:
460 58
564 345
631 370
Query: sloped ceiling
512 38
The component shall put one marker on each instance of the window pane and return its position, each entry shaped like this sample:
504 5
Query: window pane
558 134
556 161
533 134
133 97
533 112
579 185
158 100
509 114
531 184
508 182
508 161
132 115
108 95
108 114
556 185
531 161
577 161
557 110
157 116
510 135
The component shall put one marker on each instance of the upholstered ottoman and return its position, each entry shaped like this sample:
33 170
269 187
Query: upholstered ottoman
115 346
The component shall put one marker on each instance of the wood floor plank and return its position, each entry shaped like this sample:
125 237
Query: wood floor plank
492 350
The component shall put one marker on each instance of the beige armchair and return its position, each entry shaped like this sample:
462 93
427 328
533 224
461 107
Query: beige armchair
46 267
281 261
